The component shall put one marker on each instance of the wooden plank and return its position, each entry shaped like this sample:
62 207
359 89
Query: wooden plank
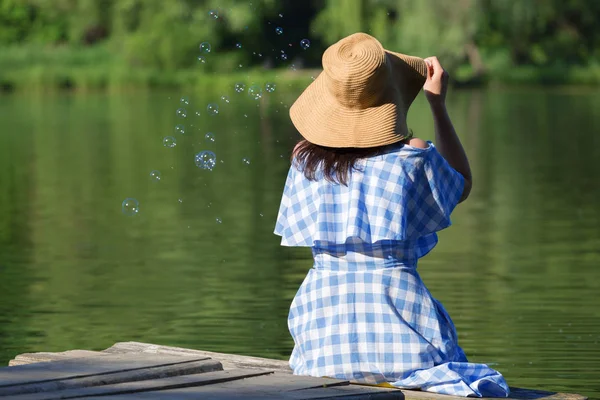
232 361
515 394
86 366
229 361
192 380
354 392
43 389
30 358
275 386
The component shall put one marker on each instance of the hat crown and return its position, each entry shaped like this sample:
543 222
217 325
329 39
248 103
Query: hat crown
357 71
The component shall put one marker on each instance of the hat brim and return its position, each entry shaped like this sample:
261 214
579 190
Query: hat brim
322 120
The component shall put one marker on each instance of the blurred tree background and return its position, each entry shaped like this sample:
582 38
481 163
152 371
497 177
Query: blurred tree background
95 43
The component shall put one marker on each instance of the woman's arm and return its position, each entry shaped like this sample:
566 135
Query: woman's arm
446 139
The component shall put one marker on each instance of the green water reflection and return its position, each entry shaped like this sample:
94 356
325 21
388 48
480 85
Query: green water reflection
519 270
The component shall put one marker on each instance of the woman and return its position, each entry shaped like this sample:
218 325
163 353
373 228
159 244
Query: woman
368 198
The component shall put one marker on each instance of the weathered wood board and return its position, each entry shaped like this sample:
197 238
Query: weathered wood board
228 360
30 358
177 373
85 366
273 386
145 374
206 378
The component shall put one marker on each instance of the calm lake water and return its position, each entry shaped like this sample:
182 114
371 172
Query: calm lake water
199 267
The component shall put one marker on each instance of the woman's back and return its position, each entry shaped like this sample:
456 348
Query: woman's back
369 206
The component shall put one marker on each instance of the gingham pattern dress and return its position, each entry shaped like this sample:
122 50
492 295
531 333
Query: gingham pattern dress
363 313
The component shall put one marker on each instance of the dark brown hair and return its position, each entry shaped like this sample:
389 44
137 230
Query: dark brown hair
336 163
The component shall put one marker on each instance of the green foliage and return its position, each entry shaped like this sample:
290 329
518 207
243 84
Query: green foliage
475 39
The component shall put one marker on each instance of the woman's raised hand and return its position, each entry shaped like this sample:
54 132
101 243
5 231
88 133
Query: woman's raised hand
436 85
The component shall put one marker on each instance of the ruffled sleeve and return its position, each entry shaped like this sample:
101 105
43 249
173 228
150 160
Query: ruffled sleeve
441 193
407 194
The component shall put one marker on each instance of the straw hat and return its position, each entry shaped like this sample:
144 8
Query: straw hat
362 96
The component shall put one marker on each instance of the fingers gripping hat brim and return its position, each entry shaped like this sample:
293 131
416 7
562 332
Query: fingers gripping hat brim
324 117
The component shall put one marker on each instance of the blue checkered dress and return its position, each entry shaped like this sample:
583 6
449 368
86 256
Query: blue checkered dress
363 313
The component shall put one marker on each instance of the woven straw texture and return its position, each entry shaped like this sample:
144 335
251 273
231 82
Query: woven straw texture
362 96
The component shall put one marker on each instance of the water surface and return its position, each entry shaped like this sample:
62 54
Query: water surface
519 271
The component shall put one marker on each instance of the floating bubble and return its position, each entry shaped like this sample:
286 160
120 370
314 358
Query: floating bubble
284 56
180 129
181 112
201 59
246 161
279 30
213 14
130 206
210 137
293 67
239 87
255 92
270 87
184 100
155 176
305 43
206 159
169 141
198 113
204 47
280 15
180 200
219 221
225 99
238 45
212 109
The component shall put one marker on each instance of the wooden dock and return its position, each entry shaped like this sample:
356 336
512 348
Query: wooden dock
132 371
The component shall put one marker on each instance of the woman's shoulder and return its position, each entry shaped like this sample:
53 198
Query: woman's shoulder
417 143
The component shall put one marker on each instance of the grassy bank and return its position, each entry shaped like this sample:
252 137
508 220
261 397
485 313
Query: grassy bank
98 69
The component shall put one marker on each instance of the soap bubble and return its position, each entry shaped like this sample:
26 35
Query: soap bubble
225 99
280 15
198 113
239 87
210 137
270 87
206 159
305 43
204 47
246 161
213 14
184 100
284 56
180 129
201 59
212 109
169 141
238 45
279 30
255 92
130 206
181 112
155 176
219 221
